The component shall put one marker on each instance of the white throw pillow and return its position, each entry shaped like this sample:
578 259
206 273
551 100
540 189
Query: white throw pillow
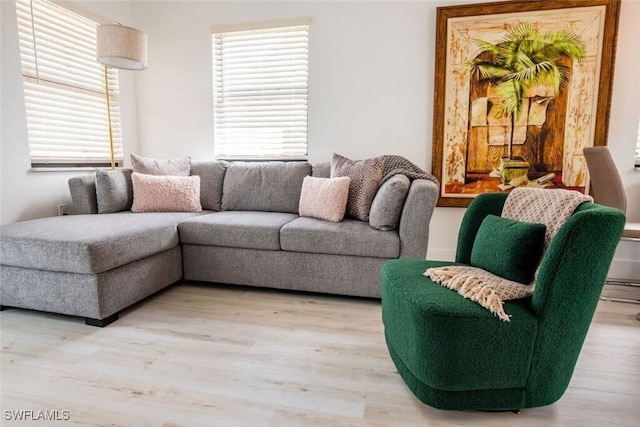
324 198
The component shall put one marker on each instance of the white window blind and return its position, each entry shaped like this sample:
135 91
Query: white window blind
260 90
64 88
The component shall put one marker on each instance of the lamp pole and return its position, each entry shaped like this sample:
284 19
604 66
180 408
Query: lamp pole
120 47
106 91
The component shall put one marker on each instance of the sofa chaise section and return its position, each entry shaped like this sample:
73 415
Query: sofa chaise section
90 266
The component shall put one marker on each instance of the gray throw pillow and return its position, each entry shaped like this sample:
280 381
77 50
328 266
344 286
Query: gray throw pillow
365 176
114 190
387 205
83 194
211 175
180 166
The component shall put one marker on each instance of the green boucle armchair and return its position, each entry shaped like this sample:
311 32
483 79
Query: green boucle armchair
454 354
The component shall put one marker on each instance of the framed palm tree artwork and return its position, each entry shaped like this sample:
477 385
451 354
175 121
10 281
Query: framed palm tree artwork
521 87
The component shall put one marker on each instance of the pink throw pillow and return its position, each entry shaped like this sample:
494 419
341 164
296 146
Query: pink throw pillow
180 166
154 193
324 198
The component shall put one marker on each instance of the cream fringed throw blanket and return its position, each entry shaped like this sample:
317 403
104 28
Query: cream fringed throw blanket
549 207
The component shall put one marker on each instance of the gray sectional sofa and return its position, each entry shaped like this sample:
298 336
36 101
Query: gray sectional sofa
94 265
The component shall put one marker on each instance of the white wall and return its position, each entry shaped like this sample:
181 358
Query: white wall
623 130
25 194
370 93
368 79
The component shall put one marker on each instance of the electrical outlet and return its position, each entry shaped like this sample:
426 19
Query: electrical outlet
62 209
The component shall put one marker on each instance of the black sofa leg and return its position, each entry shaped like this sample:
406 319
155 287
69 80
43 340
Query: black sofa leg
101 323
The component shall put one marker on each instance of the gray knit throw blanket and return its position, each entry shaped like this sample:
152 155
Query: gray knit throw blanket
394 165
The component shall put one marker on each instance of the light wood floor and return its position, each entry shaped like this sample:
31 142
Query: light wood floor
206 355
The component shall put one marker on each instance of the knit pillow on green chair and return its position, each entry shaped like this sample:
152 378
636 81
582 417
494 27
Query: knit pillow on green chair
507 248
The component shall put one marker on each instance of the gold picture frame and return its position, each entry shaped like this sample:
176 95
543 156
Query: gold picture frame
479 145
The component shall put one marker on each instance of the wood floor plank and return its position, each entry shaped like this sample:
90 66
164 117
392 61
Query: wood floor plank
213 355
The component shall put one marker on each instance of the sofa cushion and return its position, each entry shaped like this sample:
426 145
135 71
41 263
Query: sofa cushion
211 175
165 193
264 186
349 237
324 198
236 229
387 205
114 190
365 176
180 166
88 244
321 170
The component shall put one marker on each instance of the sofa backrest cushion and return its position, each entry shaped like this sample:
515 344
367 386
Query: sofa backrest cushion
322 170
264 186
211 175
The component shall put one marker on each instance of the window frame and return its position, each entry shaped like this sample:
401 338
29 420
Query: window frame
64 88
286 142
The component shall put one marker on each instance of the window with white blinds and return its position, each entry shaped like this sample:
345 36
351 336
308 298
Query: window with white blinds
64 88
260 74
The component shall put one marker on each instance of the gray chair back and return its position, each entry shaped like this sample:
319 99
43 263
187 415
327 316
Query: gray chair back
608 188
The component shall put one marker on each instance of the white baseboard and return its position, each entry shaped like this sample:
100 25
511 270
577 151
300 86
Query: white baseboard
626 261
625 269
441 254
